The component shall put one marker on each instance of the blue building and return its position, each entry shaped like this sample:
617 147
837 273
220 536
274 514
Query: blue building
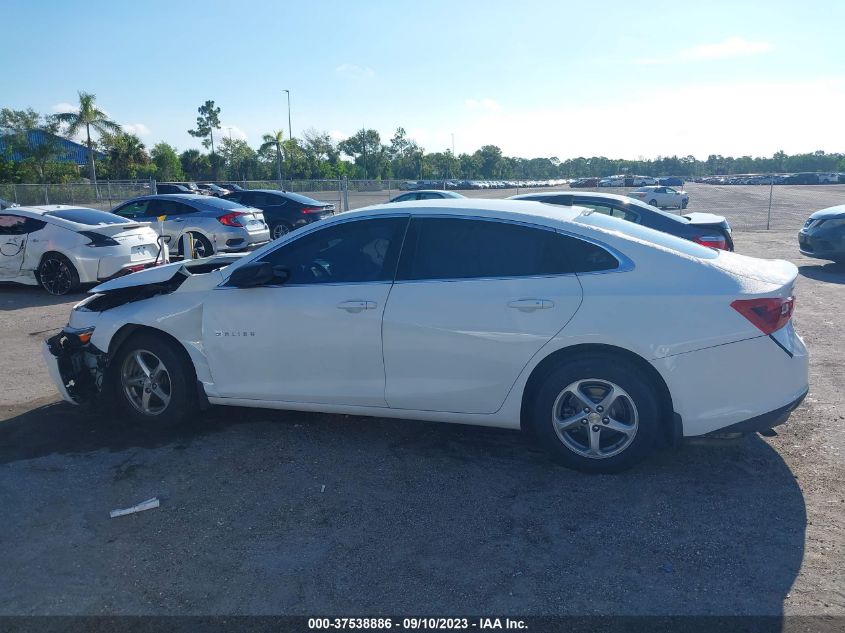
67 151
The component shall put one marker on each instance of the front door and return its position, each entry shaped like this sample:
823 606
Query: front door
317 337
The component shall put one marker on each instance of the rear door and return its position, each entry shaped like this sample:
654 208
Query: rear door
474 300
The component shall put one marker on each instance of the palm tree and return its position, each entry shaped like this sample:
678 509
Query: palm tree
89 116
274 140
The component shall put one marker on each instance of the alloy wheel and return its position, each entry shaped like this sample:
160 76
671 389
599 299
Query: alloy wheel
146 382
595 418
55 276
279 230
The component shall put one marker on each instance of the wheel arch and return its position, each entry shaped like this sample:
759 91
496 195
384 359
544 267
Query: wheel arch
129 330
670 422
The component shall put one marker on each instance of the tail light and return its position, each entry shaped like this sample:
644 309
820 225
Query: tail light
714 241
310 210
98 239
231 219
767 315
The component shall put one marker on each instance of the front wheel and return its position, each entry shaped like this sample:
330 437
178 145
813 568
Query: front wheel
153 381
653 203
596 414
684 204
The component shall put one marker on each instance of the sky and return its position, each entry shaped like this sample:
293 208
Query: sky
537 78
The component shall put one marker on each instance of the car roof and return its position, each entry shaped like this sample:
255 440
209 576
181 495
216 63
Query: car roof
47 208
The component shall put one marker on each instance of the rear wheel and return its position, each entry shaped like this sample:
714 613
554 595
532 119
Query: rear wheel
598 414
653 203
57 275
202 246
154 383
684 204
278 229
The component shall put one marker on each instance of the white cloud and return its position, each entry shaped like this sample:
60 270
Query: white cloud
730 48
732 118
337 135
64 107
486 104
237 133
138 129
353 71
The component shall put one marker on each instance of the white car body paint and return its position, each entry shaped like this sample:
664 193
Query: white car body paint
20 255
454 352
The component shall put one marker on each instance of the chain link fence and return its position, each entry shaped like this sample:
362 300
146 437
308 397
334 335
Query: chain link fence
749 203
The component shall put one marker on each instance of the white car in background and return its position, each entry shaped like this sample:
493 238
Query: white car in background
61 247
602 337
612 181
661 197
640 181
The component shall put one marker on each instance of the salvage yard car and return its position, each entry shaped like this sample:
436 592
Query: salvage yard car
823 235
215 225
702 228
661 197
61 247
592 333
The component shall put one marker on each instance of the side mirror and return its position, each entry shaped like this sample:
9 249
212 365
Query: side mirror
258 274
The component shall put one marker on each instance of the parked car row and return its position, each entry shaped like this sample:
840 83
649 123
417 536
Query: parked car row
413 185
202 188
805 178
622 180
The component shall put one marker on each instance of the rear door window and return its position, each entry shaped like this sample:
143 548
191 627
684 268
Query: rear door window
459 248
132 210
171 208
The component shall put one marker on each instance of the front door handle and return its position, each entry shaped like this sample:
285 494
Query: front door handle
529 305
357 305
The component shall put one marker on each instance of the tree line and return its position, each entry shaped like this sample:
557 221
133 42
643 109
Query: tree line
316 155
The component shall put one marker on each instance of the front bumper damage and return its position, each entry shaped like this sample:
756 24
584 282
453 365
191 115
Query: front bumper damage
77 367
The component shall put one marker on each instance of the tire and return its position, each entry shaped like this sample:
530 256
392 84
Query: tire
635 410
202 246
279 229
57 275
159 390
653 203
684 204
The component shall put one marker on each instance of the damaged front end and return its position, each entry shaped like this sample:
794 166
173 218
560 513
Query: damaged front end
76 366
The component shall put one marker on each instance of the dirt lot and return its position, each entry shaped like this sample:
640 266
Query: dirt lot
266 512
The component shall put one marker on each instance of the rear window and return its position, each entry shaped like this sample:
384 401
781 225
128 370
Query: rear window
219 203
646 234
302 199
92 217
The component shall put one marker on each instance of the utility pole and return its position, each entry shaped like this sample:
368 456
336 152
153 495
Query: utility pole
290 128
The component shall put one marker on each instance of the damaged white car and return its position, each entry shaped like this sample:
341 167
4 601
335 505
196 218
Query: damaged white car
62 247
601 337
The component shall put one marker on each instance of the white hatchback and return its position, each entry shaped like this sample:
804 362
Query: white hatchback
601 337
61 247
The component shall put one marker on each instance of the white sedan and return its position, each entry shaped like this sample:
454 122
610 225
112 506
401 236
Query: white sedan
602 337
661 197
62 247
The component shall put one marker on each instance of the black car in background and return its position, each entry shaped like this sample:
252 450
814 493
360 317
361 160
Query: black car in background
284 211
703 228
170 187
231 186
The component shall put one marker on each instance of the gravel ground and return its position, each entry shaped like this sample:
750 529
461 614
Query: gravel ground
290 513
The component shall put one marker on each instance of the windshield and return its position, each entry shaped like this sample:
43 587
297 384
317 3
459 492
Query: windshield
91 217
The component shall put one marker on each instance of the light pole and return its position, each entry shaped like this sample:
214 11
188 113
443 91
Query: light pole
290 128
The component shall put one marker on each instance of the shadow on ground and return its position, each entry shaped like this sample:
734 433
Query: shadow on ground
17 297
268 512
831 273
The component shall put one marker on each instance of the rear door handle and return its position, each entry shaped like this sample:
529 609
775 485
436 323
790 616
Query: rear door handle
357 305
529 305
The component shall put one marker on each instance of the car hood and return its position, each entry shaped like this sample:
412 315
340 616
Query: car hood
829 213
165 273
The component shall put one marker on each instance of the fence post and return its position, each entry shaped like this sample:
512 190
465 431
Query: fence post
344 184
15 191
108 183
769 214
46 195
153 186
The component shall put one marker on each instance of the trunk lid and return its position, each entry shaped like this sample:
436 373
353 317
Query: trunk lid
706 219
778 274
